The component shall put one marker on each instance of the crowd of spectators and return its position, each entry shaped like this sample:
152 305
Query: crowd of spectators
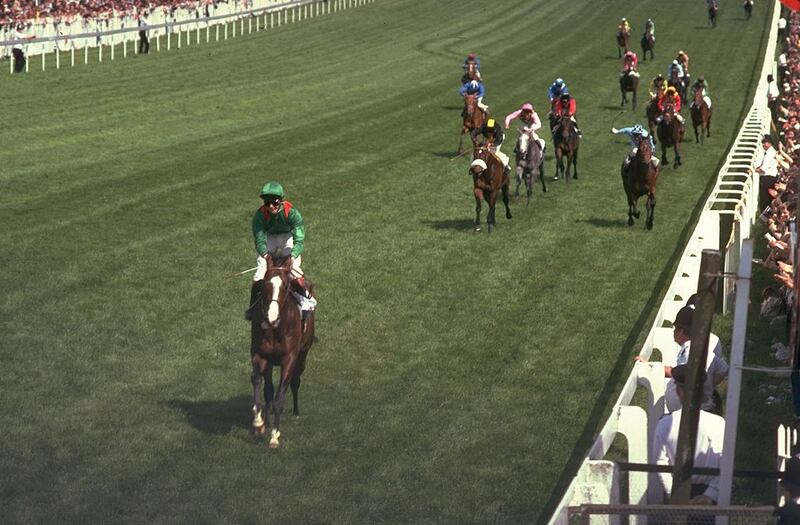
778 167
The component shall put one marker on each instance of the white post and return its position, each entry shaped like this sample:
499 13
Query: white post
158 43
112 51
241 26
11 65
293 10
217 27
58 59
71 56
125 47
258 24
271 21
85 53
100 54
179 37
188 37
136 46
169 40
735 373
198 34
208 30
44 55
226 30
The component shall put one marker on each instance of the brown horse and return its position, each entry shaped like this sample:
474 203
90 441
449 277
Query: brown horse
701 116
648 44
713 11
653 113
678 83
670 134
472 118
640 179
279 337
487 183
470 73
628 83
566 142
622 42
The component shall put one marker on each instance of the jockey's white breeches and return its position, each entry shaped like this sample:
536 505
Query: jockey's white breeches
279 246
481 105
526 134
707 100
500 155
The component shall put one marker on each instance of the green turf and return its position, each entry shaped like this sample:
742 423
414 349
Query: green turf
458 377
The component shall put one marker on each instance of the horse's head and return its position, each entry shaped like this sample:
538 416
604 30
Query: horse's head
669 112
645 151
277 281
470 103
472 71
698 95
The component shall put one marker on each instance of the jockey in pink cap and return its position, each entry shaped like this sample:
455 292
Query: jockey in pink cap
630 63
530 123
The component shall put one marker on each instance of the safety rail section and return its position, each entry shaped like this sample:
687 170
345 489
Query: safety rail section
735 194
182 28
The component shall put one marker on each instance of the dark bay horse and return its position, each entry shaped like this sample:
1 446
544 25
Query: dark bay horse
566 142
748 9
670 135
529 155
628 83
279 337
487 184
640 179
713 11
472 118
648 44
622 42
679 83
701 116
653 113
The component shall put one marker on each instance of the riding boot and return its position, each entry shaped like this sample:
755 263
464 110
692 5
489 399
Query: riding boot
302 286
255 290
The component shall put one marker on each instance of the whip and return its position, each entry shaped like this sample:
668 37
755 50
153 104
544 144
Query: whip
237 274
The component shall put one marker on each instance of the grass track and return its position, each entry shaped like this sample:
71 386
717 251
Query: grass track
457 377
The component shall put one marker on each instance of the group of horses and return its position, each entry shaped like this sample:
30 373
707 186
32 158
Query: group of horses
528 159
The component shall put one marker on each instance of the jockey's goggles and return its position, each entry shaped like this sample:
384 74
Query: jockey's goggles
272 200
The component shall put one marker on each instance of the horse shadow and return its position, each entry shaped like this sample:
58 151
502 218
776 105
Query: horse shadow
451 224
452 107
604 223
216 416
702 27
444 154
617 108
610 57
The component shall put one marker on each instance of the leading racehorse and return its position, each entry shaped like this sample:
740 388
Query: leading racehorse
628 82
622 42
713 11
529 155
487 184
701 116
648 44
640 179
566 142
670 134
279 337
472 118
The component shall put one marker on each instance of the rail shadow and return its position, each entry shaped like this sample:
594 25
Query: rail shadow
215 416
451 224
604 223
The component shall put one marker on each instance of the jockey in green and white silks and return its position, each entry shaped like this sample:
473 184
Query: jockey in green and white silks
701 83
278 231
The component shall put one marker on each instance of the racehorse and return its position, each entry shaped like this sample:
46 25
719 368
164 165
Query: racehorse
487 184
628 83
653 113
679 83
470 73
748 9
713 8
472 118
566 142
622 42
670 134
648 44
640 179
529 155
279 337
701 116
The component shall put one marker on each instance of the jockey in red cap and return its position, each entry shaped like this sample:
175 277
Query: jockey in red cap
472 59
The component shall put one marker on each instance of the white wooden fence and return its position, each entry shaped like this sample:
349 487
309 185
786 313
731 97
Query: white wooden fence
114 36
735 194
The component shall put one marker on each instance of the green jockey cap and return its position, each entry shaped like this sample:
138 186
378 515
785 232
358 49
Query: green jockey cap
272 188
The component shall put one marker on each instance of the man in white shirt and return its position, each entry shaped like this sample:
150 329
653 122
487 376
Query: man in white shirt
766 166
773 94
708 449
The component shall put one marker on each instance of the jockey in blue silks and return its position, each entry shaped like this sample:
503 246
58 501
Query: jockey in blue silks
556 89
475 88
637 133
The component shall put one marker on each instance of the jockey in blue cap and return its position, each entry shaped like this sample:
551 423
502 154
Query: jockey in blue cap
474 87
637 133
556 89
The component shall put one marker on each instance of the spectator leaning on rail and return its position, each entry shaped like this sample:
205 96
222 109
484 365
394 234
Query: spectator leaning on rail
278 231
708 449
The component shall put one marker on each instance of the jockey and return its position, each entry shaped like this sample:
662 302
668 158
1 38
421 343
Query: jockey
565 105
493 136
471 59
683 60
624 26
670 96
658 86
637 133
650 27
278 231
530 121
556 89
675 65
475 88
629 64
701 83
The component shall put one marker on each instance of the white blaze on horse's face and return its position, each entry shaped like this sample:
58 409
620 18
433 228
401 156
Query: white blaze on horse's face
272 311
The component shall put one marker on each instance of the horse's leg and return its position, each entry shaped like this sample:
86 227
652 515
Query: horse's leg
478 198
541 175
461 141
505 200
677 155
529 187
651 206
633 100
269 392
287 372
575 164
664 154
299 368
259 427
696 136
519 173
559 164
708 124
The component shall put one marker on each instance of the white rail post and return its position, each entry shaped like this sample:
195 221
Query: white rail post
43 60
241 26
208 30
293 10
250 25
58 59
125 47
71 56
188 37
225 31
11 65
217 28
85 54
179 37
158 43
100 53
271 20
112 51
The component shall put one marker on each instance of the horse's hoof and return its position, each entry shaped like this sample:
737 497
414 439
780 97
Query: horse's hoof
477 228
508 215
555 178
274 444
260 431
630 221
575 176
649 225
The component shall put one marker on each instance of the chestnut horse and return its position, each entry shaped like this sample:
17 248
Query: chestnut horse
566 142
472 118
670 134
279 337
640 179
628 83
487 184
648 44
701 116
653 113
622 42
470 73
